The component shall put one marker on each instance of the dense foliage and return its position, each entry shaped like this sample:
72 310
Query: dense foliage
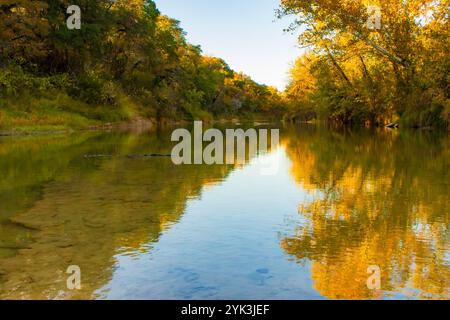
127 57
352 73
128 61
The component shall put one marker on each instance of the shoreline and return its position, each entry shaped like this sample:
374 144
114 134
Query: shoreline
151 123
136 124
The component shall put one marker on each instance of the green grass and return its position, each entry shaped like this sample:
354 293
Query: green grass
57 111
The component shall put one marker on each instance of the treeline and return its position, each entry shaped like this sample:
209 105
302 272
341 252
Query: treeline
355 72
127 61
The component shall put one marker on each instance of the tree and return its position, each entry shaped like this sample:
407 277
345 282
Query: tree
368 61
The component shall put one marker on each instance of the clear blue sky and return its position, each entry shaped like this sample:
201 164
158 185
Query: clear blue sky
246 33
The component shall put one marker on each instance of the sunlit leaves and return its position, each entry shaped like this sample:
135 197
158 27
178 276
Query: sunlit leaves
379 75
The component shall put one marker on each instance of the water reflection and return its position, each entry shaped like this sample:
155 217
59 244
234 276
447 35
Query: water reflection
144 228
59 208
380 198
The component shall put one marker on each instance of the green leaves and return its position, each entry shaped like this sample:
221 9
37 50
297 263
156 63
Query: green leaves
125 46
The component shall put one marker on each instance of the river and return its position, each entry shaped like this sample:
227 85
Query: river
143 228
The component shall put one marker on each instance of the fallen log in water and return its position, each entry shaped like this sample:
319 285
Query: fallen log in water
151 155
90 156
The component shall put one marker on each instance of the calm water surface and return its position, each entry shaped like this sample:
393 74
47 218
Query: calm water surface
143 228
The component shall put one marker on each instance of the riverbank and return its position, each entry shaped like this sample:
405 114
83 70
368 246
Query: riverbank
58 116
139 124
57 113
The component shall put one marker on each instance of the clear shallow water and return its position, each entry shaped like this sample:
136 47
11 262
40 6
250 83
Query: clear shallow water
143 228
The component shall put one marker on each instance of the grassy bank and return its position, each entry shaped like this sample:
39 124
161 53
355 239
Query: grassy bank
56 111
